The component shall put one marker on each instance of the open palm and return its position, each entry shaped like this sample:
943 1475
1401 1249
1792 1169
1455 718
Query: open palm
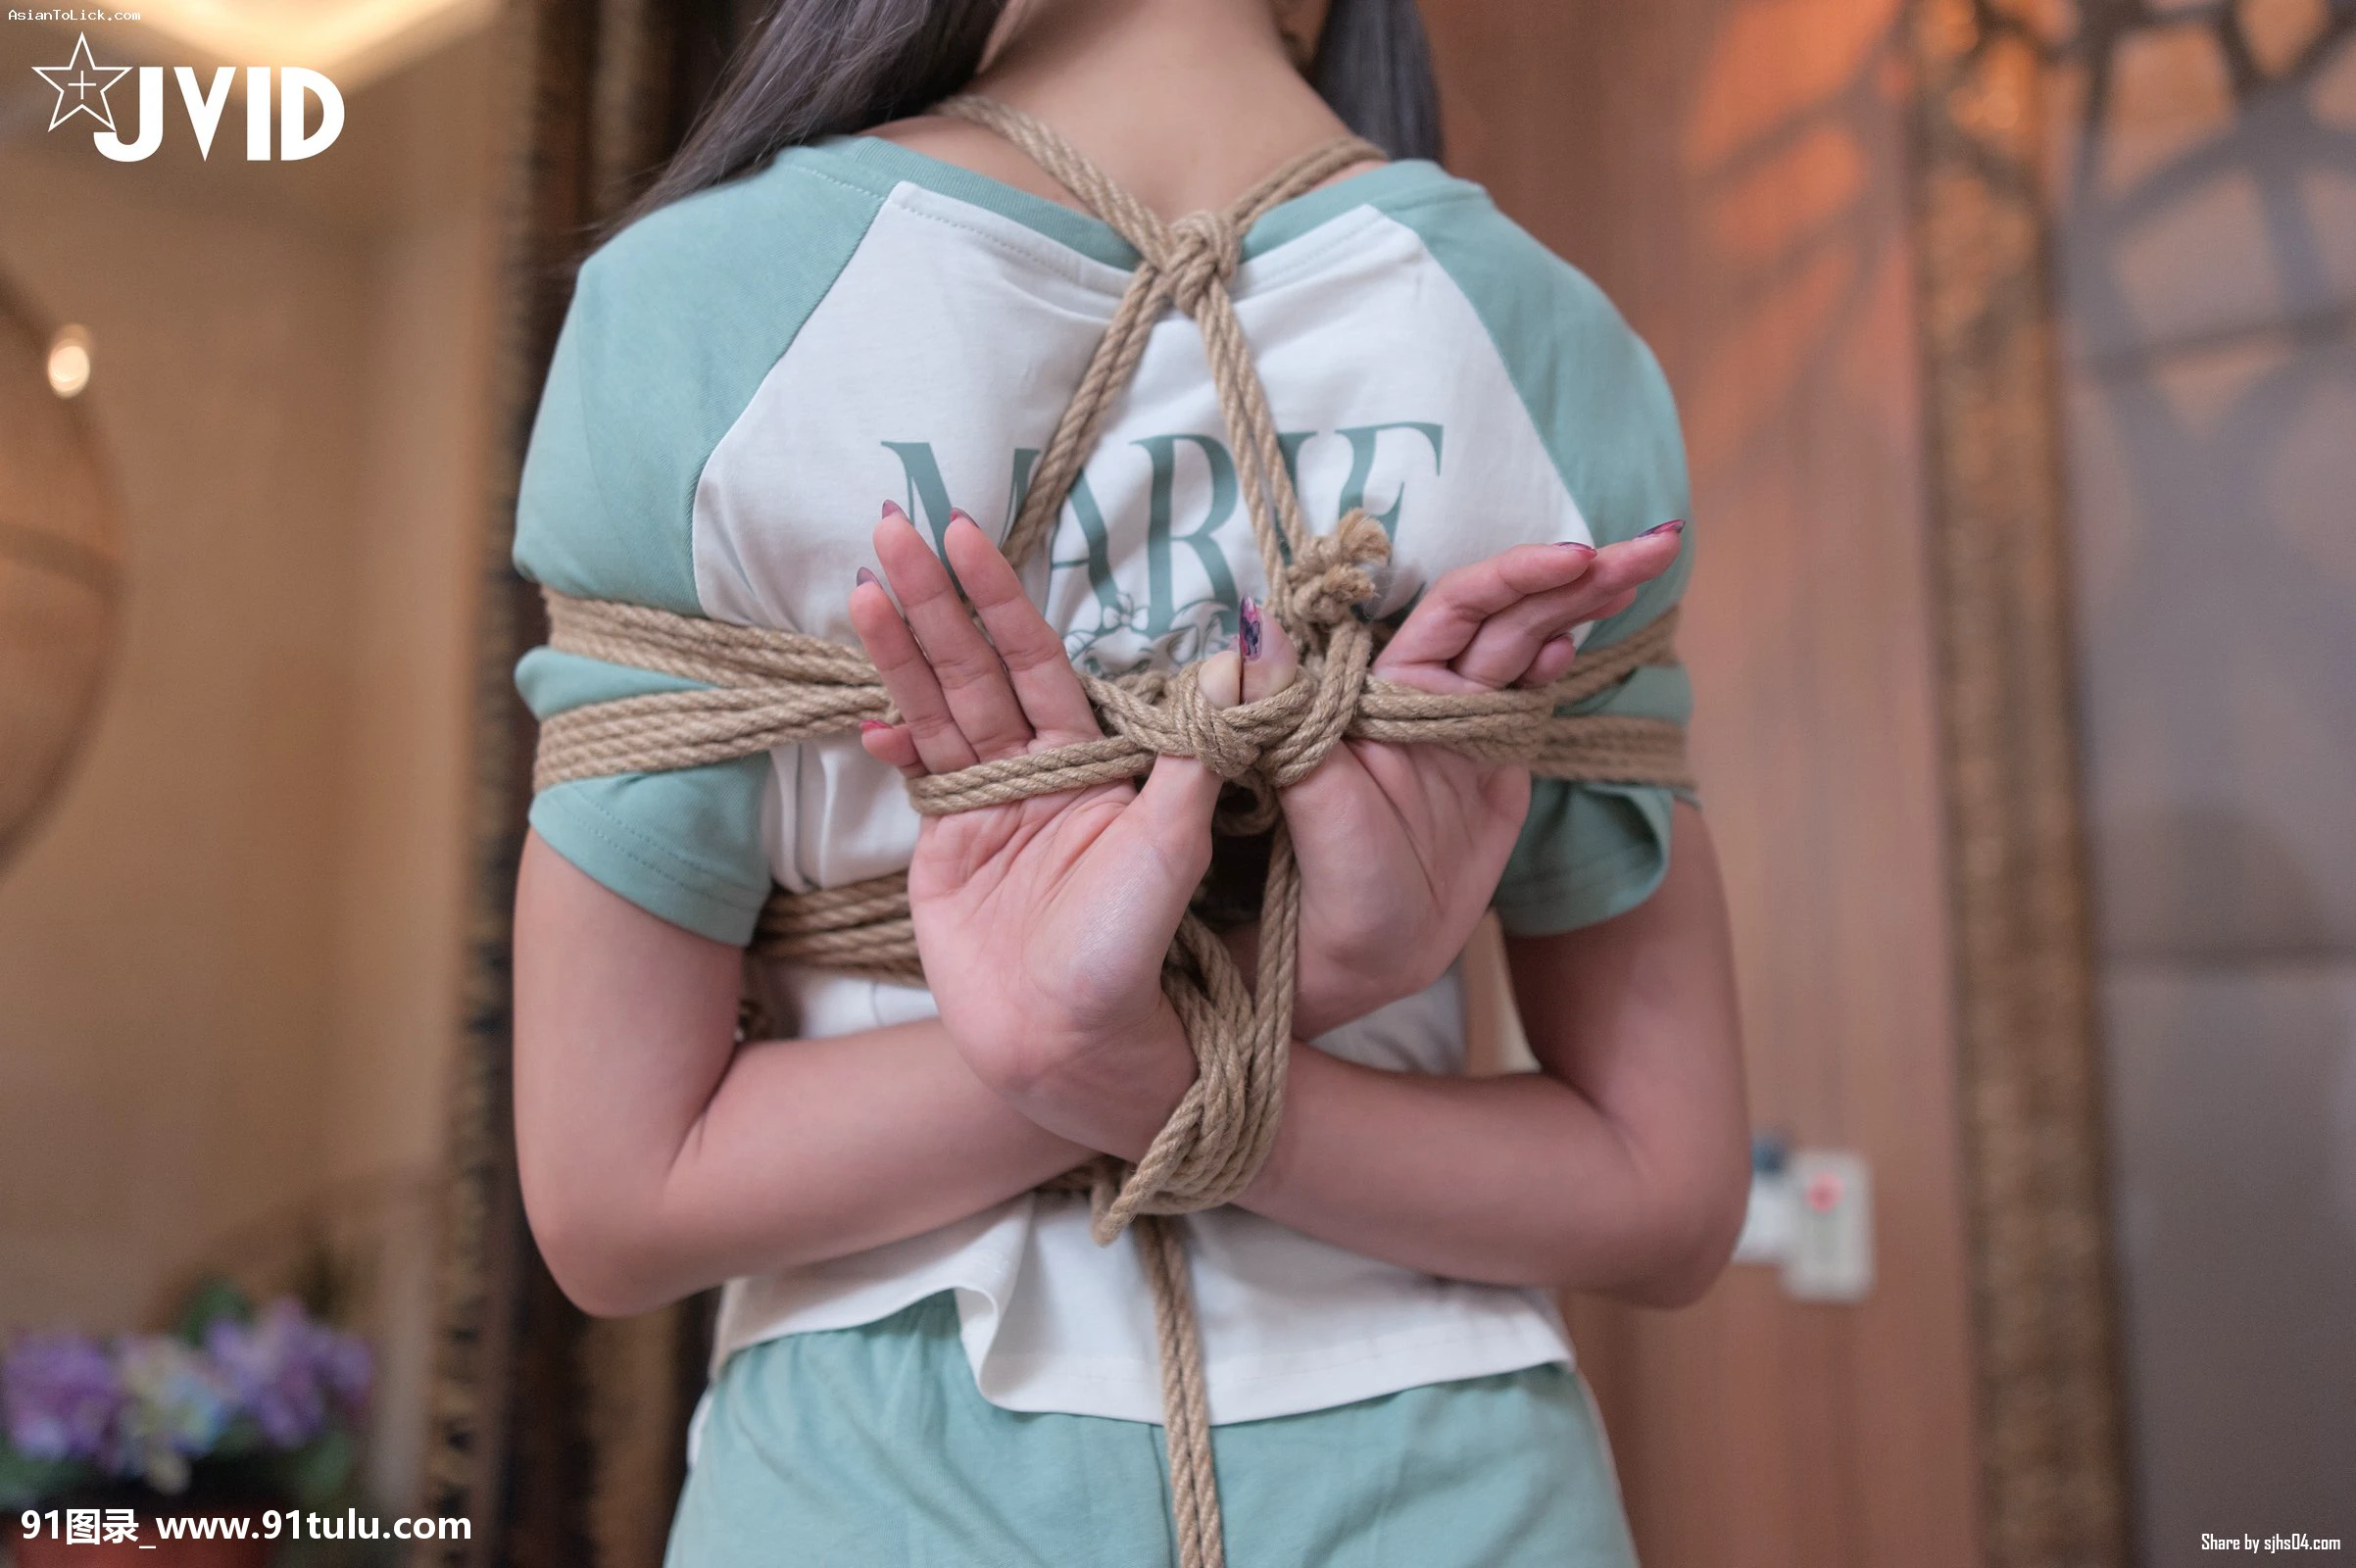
1401 847
1041 921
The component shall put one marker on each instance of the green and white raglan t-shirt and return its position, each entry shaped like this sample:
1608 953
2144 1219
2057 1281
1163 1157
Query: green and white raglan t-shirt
748 374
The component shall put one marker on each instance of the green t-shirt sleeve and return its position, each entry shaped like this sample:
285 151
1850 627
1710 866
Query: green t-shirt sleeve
1603 412
1588 852
685 844
672 326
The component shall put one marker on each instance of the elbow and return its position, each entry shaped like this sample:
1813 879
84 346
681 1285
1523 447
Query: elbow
1681 1280
1693 1240
600 1285
599 1255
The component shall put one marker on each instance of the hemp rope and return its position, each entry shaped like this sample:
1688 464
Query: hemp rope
762 688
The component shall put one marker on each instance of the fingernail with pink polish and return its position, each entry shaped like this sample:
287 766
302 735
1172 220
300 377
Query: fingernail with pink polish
866 577
960 514
868 726
1673 525
1248 629
892 510
1580 545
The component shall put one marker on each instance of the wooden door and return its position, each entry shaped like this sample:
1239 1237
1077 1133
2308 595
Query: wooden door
1731 172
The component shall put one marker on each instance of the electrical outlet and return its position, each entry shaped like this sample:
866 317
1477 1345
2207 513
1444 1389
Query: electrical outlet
1830 1257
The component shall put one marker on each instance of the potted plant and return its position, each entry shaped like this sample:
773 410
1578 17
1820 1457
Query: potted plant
237 1414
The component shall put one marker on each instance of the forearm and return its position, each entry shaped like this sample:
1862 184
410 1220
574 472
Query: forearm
807 1149
659 1158
1504 1181
1621 1167
816 1148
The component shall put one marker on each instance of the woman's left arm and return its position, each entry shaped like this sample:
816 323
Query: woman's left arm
1621 1167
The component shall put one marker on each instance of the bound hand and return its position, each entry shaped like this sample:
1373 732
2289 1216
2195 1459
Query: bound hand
1401 847
1041 922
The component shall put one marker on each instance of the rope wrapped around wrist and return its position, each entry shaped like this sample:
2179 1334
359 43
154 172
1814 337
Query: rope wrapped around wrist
759 689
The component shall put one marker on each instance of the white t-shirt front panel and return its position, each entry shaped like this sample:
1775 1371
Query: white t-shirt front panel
1389 396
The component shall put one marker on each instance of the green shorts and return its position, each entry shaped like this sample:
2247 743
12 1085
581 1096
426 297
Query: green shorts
869 1448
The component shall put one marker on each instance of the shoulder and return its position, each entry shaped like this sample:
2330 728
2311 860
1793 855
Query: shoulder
716 284
1511 278
751 239
1588 382
674 323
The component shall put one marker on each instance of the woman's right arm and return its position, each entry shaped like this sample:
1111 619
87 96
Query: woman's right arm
658 1158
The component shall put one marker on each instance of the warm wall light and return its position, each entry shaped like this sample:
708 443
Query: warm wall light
351 40
69 362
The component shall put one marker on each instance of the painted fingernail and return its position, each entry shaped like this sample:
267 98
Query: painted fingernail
868 726
1673 525
960 514
1580 545
866 577
892 510
1247 628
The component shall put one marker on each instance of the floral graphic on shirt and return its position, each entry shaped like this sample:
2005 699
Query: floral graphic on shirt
1128 636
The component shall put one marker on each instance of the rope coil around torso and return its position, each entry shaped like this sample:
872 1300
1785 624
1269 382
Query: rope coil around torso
759 689
773 688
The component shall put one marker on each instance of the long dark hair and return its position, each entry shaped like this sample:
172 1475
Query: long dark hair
813 69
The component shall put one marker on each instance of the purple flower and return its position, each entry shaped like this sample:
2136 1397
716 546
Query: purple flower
62 1394
145 1407
282 1369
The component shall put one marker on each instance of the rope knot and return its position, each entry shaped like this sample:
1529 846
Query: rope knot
1203 252
1334 573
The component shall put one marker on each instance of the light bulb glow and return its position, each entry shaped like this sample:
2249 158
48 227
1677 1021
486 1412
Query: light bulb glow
352 41
69 362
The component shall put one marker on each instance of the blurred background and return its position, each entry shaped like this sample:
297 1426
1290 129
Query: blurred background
228 946
2016 346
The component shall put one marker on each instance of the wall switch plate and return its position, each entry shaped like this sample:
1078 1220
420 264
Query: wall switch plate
1831 1255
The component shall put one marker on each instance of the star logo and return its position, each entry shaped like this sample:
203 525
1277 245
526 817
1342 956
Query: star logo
82 86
